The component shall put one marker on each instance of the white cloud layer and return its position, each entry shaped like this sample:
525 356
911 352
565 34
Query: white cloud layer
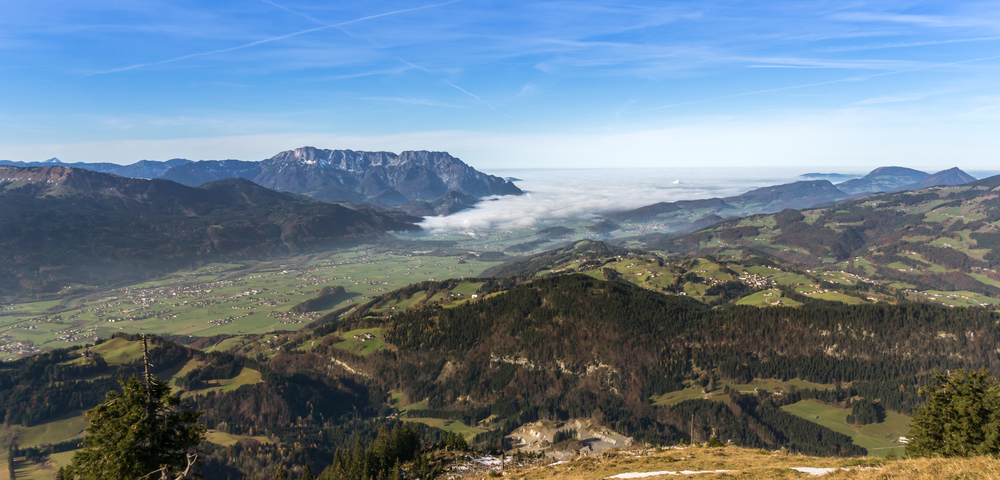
563 196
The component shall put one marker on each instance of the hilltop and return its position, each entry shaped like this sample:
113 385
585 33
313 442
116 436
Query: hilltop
883 179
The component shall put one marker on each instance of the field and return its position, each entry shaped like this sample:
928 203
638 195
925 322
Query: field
247 376
68 426
118 351
399 402
361 342
453 426
765 298
695 392
878 438
226 439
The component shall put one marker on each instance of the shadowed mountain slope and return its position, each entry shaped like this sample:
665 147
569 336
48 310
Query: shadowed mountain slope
63 225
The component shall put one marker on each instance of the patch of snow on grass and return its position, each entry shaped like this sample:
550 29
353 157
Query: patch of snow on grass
488 460
815 471
819 472
657 474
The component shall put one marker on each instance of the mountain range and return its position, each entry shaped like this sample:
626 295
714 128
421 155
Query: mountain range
62 225
147 169
430 179
689 215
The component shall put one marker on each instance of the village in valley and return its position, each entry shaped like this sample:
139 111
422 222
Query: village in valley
233 299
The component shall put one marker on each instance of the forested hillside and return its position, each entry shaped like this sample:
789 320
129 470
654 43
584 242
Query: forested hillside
572 345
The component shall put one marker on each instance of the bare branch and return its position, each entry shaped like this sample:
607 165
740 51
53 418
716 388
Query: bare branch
192 458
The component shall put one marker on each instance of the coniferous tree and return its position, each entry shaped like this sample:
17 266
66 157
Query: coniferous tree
279 473
307 473
961 417
130 437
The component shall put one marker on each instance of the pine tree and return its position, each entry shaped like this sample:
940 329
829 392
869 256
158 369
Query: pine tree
279 473
142 431
961 417
307 473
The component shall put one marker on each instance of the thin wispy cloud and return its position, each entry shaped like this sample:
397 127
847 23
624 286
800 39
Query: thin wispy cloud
525 90
293 12
387 71
887 99
830 82
414 101
854 48
921 20
410 65
272 39
847 64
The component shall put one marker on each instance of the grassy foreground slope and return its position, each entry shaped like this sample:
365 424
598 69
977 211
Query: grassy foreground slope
756 464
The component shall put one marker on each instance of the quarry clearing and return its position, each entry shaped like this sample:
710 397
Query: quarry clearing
584 437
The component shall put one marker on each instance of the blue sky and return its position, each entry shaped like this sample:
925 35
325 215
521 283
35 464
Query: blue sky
811 85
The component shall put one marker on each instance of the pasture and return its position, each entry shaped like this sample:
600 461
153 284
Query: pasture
878 438
695 392
453 426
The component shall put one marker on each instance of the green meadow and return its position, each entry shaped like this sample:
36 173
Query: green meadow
697 392
878 438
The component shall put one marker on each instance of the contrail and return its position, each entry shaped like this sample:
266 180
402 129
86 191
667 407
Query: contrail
293 12
469 94
477 98
272 39
452 85
407 63
841 80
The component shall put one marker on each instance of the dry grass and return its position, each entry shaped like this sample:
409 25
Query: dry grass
937 468
758 464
